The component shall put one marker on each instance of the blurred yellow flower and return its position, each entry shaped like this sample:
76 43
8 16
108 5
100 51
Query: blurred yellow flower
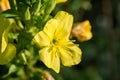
82 31
55 44
7 50
60 1
4 5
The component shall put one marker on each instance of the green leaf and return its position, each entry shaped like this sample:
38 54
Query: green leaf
9 13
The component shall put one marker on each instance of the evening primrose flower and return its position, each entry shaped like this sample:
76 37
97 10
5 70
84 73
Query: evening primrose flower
7 50
4 5
82 31
60 1
55 45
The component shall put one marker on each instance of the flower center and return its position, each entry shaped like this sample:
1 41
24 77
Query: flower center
54 41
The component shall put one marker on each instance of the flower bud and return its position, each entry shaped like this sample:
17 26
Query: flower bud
4 5
82 31
50 6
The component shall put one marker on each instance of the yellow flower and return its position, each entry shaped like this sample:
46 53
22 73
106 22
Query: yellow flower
82 31
55 44
60 1
7 50
4 5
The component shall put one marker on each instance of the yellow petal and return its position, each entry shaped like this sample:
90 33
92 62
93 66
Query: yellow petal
50 28
49 56
8 54
65 21
45 37
70 54
41 39
4 43
60 1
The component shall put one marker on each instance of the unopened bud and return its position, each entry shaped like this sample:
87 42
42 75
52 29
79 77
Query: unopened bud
4 5
82 31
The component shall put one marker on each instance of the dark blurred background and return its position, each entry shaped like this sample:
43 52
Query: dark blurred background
101 55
